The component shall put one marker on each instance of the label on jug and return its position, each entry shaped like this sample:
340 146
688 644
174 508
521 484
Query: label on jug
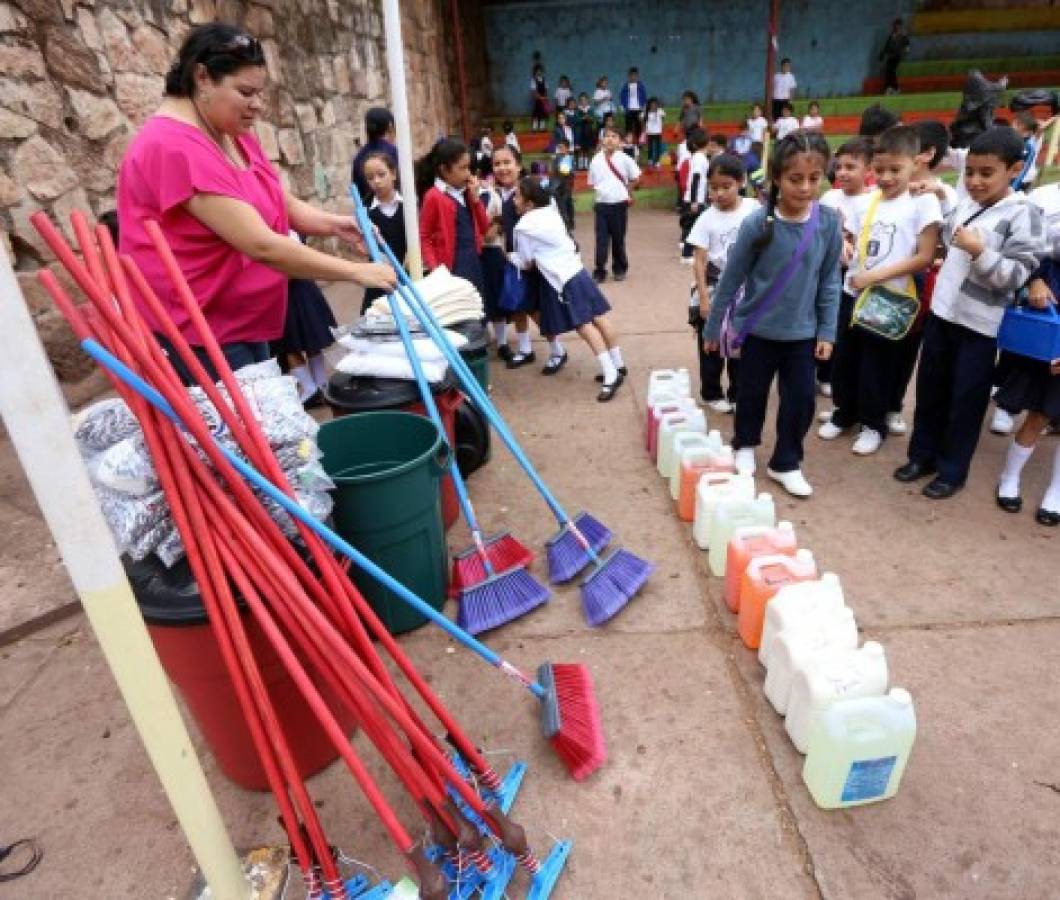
868 778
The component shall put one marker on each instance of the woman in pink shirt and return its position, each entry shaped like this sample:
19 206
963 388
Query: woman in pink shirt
197 169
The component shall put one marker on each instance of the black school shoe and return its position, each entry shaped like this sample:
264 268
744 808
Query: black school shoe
599 277
609 390
622 370
518 360
554 364
937 489
1009 504
1047 517
620 276
504 352
913 471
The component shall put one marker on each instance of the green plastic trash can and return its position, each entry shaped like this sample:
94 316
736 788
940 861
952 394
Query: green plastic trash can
475 352
386 467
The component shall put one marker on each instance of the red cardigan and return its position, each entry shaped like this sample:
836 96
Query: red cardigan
438 227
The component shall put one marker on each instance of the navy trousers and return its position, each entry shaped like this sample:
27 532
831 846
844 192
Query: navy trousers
611 219
792 364
952 394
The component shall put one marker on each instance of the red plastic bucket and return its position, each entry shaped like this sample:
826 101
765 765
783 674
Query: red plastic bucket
170 603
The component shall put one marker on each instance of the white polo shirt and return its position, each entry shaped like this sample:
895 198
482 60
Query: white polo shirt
608 186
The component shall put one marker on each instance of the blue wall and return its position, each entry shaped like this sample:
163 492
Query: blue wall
716 48
968 45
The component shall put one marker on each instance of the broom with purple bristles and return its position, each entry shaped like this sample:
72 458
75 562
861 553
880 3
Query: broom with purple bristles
489 595
616 578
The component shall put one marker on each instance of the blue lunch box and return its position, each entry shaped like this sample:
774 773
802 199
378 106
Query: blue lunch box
1031 332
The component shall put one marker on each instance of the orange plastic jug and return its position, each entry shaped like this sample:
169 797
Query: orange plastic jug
748 544
695 468
764 576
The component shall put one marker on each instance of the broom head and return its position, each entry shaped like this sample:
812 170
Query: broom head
504 552
500 599
614 583
566 555
570 717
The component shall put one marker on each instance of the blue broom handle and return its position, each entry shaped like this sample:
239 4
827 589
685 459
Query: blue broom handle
109 361
425 389
423 312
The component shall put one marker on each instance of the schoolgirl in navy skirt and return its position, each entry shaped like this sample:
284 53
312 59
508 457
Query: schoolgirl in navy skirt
569 299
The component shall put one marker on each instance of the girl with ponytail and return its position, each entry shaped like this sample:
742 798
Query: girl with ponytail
782 282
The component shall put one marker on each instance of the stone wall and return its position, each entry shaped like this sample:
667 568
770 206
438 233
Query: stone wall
77 77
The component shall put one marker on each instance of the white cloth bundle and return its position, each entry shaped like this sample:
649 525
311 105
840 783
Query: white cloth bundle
451 299
374 365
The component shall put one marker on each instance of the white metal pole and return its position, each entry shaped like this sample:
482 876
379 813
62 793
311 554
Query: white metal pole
38 422
399 106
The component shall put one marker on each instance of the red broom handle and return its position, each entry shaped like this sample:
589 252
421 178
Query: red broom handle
220 364
82 330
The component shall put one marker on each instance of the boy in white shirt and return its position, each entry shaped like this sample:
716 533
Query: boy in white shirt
850 197
895 237
784 85
694 199
787 123
612 175
712 234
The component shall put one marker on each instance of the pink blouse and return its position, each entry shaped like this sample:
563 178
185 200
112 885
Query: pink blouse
167 164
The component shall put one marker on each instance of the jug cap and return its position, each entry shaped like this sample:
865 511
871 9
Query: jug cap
804 555
872 648
785 525
900 696
830 578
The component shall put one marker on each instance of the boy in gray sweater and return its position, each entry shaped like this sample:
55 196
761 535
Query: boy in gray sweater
986 263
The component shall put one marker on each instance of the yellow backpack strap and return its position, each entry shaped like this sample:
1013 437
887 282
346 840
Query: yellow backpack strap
866 227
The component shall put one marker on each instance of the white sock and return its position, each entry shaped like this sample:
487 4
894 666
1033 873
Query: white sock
616 357
607 367
524 341
306 385
318 370
555 348
1051 500
1016 458
500 332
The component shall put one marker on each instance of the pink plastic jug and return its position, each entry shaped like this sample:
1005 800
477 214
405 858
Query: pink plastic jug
763 577
748 544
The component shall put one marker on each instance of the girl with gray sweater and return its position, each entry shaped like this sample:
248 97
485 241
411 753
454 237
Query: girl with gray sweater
783 283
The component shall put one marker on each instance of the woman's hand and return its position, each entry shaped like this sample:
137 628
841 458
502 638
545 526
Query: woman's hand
862 279
346 229
1038 294
970 240
823 350
375 275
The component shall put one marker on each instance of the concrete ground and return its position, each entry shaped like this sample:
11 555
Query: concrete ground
702 797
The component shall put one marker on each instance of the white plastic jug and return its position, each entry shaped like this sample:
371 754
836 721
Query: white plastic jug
674 381
693 445
733 513
794 648
656 413
859 750
713 488
669 427
798 605
838 675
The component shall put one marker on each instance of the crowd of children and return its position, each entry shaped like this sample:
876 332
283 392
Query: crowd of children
844 292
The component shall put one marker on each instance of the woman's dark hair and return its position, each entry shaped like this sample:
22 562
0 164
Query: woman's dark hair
933 136
728 164
221 48
691 95
376 122
446 152
383 157
534 192
795 143
1000 141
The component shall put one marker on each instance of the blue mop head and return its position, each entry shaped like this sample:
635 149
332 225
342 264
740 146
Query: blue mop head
566 555
615 582
500 599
